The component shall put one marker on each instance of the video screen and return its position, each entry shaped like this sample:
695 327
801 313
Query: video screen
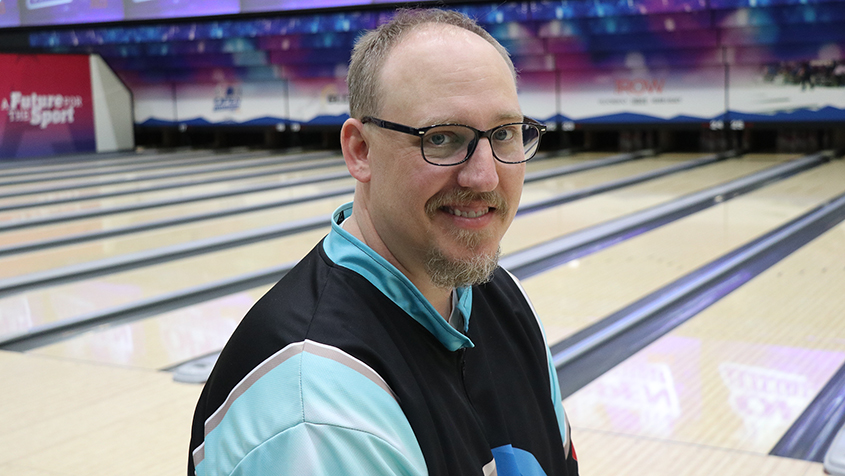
60 12
9 15
272 5
152 9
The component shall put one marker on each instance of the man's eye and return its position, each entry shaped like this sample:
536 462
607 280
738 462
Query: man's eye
504 134
441 139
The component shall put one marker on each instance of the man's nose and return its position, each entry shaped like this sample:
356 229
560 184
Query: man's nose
480 172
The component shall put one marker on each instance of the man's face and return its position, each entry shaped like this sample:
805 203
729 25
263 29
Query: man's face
442 74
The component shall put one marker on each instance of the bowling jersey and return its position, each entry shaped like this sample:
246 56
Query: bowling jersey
343 367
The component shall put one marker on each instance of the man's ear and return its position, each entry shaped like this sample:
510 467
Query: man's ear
355 149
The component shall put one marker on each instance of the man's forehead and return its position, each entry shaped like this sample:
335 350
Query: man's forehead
437 45
426 31
442 61
437 36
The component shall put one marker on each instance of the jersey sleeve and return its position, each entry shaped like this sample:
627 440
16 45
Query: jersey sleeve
309 409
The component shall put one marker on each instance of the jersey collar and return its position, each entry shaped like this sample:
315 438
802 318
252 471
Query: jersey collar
347 251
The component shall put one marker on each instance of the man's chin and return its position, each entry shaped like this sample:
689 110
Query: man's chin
467 270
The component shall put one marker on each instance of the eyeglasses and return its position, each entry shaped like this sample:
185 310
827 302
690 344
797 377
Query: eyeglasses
453 144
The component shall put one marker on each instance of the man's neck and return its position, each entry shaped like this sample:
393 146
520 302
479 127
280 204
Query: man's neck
440 298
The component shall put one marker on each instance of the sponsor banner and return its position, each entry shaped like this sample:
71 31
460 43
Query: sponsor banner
154 103
790 91
45 105
312 101
255 103
641 95
319 101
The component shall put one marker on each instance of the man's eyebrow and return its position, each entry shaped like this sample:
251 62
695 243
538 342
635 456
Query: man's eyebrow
502 118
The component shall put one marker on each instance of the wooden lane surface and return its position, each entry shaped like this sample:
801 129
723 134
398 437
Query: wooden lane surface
139 185
119 220
167 333
733 379
161 341
24 263
576 294
92 420
548 224
41 260
40 306
141 196
129 171
610 453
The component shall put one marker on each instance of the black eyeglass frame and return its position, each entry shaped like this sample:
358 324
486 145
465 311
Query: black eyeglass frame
420 132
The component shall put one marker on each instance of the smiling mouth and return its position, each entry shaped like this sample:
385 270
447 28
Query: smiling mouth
467 204
467 213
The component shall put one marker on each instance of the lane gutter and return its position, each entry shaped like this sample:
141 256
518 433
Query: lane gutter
811 435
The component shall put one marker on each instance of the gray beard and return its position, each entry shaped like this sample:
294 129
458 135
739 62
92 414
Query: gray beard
448 273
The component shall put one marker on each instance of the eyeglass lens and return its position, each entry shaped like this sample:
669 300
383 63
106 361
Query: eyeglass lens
449 144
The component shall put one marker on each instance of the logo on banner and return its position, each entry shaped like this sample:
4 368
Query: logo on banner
227 98
639 92
40 110
639 86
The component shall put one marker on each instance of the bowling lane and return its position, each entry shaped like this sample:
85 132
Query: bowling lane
576 294
535 228
165 340
140 193
542 189
117 220
41 306
48 191
740 373
145 332
58 166
24 263
85 174
41 260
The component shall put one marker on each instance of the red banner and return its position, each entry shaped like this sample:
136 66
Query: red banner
45 105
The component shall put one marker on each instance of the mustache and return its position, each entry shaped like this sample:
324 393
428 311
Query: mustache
460 197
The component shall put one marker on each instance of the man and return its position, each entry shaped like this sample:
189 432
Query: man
397 346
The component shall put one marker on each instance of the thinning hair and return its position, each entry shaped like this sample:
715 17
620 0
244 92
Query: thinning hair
372 49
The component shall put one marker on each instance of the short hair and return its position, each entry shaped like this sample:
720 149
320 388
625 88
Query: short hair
371 51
